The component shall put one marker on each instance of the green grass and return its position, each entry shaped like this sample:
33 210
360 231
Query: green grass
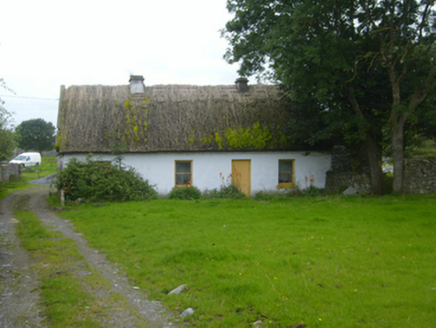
344 262
67 294
47 167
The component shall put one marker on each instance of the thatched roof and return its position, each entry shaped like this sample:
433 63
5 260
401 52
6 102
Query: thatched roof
170 118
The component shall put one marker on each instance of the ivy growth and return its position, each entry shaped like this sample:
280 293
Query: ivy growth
132 127
255 137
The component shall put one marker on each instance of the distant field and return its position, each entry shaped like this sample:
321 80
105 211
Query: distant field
48 166
336 262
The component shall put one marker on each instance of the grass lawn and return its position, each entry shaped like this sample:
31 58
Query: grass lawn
48 167
334 262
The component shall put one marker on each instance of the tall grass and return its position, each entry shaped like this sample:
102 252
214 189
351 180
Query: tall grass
344 262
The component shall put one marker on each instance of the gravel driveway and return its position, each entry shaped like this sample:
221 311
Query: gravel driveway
20 304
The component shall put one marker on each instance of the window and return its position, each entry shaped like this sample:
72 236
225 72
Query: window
183 173
286 173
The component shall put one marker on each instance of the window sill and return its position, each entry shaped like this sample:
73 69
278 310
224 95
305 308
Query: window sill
285 185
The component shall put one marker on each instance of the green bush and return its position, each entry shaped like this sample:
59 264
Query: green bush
210 194
388 184
230 191
101 181
185 193
313 191
226 191
296 192
266 196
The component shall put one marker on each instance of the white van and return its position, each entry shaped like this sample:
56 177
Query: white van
27 159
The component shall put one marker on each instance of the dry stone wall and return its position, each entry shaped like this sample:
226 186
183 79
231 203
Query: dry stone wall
9 171
347 172
337 181
420 176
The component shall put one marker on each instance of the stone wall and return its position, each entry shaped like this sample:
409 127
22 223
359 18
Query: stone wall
348 171
339 181
9 171
420 176
344 161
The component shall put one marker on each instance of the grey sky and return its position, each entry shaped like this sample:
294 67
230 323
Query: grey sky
48 43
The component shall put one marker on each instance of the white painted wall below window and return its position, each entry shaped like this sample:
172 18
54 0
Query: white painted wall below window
158 168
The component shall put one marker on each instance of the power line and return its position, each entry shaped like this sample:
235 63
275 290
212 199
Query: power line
32 98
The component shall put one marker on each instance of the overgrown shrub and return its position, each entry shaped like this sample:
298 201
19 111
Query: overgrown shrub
295 192
388 184
226 191
187 193
210 194
230 191
101 181
266 196
313 191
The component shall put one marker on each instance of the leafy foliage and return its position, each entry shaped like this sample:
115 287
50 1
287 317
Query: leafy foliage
8 140
187 193
226 191
230 191
311 191
36 134
360 68
102 181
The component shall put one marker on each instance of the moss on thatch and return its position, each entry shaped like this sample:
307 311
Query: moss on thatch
171 118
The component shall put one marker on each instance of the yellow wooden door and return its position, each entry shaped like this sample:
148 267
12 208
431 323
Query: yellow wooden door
241 175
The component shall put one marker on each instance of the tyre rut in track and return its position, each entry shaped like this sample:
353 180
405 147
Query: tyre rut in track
20 300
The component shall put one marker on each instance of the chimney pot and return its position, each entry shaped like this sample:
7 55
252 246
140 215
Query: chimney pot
242 84
137 84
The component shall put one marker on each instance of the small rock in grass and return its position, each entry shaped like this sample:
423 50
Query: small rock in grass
258 323
350 191
135 288
177 290
187 312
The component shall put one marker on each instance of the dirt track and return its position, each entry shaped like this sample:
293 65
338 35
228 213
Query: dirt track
20 304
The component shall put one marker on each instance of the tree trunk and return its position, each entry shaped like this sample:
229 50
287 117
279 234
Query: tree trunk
397 121
372 148
397 142
373 151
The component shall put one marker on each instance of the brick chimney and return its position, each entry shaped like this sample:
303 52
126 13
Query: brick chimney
137 84
242 84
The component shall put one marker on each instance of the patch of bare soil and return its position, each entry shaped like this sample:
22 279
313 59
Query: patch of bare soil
20 304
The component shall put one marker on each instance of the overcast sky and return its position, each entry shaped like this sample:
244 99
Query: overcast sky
48 43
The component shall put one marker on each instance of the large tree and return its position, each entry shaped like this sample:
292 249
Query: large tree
367 64
36 134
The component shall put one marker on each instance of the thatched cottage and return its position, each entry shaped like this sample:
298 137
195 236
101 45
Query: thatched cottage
182 135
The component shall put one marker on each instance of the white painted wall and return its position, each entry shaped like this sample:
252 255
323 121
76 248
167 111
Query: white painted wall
158 168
